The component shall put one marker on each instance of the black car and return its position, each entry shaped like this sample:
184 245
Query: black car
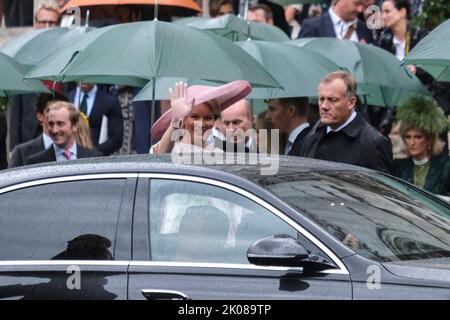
141 227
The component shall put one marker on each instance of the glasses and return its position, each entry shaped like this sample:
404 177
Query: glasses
48 23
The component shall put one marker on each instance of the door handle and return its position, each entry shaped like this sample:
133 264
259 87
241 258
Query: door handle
157 294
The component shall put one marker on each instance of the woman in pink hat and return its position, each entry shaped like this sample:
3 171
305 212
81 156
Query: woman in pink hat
192 109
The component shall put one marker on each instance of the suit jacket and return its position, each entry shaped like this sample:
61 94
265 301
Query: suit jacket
109 106
298 142
24 150
48 155
3 133
23 125
358 143
386 38
322 26
228 146
438 177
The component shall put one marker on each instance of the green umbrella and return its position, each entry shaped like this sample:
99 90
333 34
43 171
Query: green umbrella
236 29
137 52
142 51
298 70
33 47
432 53
11 79
376 70
164 84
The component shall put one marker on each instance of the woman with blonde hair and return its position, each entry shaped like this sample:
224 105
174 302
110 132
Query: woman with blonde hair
427 167
83 134
192 109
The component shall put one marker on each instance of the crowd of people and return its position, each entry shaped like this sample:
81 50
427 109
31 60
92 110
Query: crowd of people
86 120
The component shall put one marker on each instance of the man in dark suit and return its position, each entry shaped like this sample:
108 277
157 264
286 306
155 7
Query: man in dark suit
342 135
341 22
98 106
3 132
62 121
43 141
289 115
236 120
23 125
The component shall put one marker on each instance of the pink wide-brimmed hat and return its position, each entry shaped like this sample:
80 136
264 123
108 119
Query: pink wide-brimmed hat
224 96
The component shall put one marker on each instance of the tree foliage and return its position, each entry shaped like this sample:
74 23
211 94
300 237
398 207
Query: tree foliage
434 13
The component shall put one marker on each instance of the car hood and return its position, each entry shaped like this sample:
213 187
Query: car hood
429 269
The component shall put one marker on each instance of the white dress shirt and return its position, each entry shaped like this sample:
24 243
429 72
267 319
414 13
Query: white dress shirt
399 48
90 100
350 119
341 27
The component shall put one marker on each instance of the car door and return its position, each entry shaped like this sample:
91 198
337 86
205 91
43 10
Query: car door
66 238
191 237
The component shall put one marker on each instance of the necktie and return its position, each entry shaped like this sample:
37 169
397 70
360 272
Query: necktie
350 30
83 105
67 154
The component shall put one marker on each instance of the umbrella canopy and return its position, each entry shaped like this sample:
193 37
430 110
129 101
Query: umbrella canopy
33 47
236 29
11 79
298 70
141 51
432 53
376 70
188 4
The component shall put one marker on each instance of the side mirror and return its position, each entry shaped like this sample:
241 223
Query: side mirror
278 250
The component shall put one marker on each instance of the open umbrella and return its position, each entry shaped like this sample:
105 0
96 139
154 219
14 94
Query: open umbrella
33 47
138 52
236 29
11 79
376 70
298 70
134 53
190 5
432 53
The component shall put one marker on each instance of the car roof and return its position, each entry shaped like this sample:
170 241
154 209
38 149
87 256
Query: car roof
164 164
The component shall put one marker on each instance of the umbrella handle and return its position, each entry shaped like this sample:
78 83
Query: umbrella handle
156 11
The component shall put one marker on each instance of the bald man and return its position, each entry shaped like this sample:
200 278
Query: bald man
236 120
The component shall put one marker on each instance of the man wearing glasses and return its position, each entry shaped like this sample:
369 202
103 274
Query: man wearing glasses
47 16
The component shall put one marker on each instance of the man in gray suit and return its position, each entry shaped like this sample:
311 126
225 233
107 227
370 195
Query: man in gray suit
23 151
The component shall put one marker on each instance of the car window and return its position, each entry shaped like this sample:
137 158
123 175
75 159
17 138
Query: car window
195 222
61 221
373 214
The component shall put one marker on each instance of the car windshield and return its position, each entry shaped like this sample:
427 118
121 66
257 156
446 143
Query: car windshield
375 215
